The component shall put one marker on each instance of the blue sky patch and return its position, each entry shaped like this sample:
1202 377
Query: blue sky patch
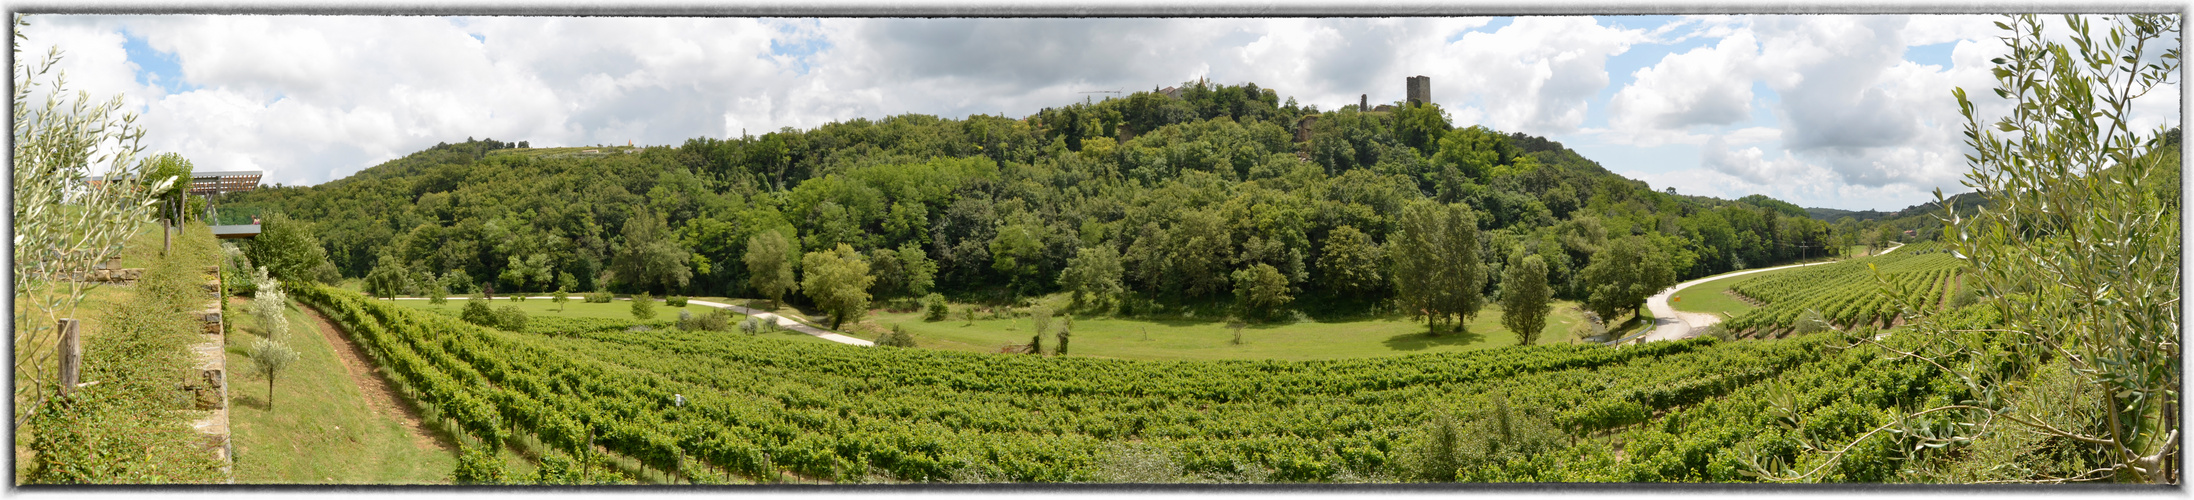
1937 54
155 68
801 48
1491 26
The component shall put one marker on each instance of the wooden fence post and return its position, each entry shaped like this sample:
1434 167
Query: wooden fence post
71 356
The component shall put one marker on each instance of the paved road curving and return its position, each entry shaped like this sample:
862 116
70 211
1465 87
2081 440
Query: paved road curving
788 323
784 322
1671 324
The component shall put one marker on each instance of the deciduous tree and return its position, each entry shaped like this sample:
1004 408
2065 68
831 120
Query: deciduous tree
1524 295
1437 275
838 281
1623 274
769 266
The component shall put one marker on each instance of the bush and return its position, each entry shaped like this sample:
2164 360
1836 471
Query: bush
675 301
897 337
715 320
600 298
479 465
936 306
751 325
510 318
477 312
643 307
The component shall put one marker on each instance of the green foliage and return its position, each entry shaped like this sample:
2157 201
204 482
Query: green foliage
1261 290
643 307
1350 264
1093 276
479 464
906 272
268 358
477 312
125 430
838 281
897 337
1437 274
675 301
1846 293
713 320
459 282
965 416
769 265
175 170
560 298
2080 246
288 250
1016 252
1622 275
437 293
650 256
1066 332
511 318
388 279
1525 298
935 307
556 468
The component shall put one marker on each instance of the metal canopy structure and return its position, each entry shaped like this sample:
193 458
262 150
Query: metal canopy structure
212 182
223 182
239 231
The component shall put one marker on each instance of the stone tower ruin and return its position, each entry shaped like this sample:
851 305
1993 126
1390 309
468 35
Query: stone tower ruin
1420 90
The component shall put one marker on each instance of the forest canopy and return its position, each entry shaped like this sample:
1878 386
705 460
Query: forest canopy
1182 192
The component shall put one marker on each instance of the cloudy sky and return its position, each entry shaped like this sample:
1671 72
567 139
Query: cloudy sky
1826 111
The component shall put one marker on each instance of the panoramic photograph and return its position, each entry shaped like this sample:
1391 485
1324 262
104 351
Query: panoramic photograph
1336 253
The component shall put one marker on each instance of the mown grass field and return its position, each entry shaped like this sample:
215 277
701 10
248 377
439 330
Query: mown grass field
1210 339
1712 297
621 309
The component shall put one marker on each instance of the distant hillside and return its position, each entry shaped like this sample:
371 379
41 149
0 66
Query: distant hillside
1962 201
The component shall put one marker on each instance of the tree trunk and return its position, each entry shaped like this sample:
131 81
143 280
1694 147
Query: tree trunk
270 392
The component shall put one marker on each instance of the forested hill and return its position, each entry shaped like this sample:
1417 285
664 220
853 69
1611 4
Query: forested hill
1181 195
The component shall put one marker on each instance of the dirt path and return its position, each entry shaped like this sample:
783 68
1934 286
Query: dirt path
380 397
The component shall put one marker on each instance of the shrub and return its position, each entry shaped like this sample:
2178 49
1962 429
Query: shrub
751 325
643 307
600 298
510 318
478 465
715 320
897 337
935 304
477 312
675 301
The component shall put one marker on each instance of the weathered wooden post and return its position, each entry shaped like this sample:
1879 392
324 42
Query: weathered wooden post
71 356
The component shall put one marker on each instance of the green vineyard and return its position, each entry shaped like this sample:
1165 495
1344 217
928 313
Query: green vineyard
712 407
1847 294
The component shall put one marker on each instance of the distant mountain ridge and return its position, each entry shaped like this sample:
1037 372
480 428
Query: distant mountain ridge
1962 201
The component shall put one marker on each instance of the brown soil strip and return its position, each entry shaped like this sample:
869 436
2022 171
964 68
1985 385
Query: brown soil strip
379 393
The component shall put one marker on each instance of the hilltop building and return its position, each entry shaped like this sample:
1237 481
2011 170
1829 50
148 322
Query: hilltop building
1420 90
